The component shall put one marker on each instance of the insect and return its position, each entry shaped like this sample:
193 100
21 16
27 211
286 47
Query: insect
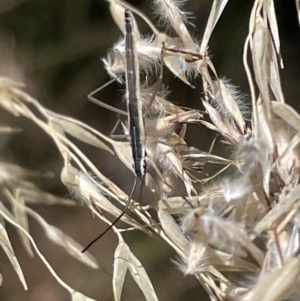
136 123
135 116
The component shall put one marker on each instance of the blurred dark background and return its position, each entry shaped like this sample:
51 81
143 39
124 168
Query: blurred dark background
54 47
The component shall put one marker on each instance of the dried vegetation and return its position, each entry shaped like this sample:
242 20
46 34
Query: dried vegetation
245 223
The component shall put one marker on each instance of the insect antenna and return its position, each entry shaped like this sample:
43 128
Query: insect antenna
116 220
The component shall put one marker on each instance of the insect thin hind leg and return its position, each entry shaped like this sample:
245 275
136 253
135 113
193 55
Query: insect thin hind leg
116 220
102 104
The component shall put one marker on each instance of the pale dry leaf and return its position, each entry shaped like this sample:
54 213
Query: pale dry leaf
6 82
171 229
298 9
260 52
71 246
124 153
93 132
117 12
140 276
196 154
172 63
201 256
121 262
215 13
77 296
277 284
7 247
287 113
170 11
270 10
87 189
230 104
79 133
9 130
55 235
21 218
7 102
222 234
8 217
179 171
31 196
274 75
138 12
283 207
227 263
221 126
264 137
196 259
206 71
176 205
287 161
209 125
10 170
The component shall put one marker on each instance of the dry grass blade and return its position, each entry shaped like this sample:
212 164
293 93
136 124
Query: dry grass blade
140 276
222 234
117 12
172 64
215 13
283 207
261 50
7 247
176 205
121 263
171 12
9 171
298 9
123 151
226 262
201 257
8 217
93 194
227 100
287 113
6 82
172 230
271 18
30 196
204 157
278 284
9 130
247 222
79 133
61 239
227 129
20 214
77 296
136 11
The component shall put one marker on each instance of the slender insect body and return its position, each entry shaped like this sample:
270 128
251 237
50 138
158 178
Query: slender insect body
138 150
161 130
135 115
134 107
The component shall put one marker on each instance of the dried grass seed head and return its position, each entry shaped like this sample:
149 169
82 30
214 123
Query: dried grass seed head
170 11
